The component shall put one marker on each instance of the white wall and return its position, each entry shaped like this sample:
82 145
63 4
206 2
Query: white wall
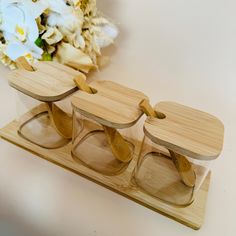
185 49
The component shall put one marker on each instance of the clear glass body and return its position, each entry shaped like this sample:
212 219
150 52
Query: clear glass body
35 124
157 175
91 147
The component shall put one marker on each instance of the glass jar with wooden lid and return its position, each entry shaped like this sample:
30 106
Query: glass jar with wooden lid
104 117
44 110
179 144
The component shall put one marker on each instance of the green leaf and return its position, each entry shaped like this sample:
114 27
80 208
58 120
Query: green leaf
39 42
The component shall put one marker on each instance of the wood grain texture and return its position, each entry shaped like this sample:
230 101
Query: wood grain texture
22 63
186 131
184 168
49 82
192 215
113 105
61 121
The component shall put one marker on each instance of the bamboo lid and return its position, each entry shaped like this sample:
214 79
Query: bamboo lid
112 105
49 82
186 131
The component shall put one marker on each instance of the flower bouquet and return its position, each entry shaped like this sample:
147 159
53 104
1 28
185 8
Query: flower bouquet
72 32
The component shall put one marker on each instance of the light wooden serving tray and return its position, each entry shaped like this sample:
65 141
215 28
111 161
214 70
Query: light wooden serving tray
191 216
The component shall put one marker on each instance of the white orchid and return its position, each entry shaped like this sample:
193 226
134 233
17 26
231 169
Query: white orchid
19 27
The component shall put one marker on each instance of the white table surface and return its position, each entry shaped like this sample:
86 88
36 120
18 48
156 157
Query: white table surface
184 51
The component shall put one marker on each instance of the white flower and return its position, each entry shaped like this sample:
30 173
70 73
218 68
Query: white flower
75 2
19 27
27 49
66 18
4 58
72 30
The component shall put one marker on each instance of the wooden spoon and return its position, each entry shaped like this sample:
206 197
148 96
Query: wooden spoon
120 148
181 163
61 121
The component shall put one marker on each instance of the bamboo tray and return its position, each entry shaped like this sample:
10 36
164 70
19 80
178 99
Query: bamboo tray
123 184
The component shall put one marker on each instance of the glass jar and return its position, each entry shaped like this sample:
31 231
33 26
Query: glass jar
157 174
91 146
98 119
43 102
37 126
185 131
